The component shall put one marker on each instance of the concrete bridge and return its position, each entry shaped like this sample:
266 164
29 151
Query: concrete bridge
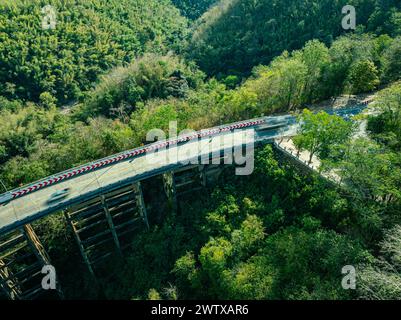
105 206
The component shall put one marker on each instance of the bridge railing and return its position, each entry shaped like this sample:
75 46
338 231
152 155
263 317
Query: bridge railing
122 156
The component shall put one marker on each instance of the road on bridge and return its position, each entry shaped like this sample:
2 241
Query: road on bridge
17 211
32 206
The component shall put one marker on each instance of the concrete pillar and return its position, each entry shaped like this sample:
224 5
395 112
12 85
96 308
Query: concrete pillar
80 245
23 245
141 203
8 284
111 225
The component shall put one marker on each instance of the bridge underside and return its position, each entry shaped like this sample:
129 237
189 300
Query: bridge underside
22 258
107 206
103 227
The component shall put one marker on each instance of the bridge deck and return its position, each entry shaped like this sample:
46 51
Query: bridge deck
32 205
35 205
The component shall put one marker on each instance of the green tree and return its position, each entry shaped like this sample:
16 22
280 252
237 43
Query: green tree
370 172
386 126
154 295
363 77
391 61
149 77
47 100
345 52
381 280
309 264
315 56
279 86
248 237
318 132
213 258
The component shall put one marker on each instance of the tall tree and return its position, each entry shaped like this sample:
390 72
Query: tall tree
318 132
363 77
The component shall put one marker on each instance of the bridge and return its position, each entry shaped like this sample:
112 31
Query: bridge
105 206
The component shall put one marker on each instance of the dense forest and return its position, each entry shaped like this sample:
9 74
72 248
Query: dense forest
112 70
243 34
90 38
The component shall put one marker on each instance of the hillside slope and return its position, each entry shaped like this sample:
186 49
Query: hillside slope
241 34
90 36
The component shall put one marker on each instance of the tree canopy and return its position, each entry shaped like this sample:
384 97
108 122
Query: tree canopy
319 132
110 71
90 37
244 33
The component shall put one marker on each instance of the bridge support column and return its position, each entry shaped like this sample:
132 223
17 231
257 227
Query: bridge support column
105 226
8 284
19 248
141 203
36 245
111 225
170 189
79 242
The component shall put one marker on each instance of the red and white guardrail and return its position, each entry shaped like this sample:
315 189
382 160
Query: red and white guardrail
123 156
